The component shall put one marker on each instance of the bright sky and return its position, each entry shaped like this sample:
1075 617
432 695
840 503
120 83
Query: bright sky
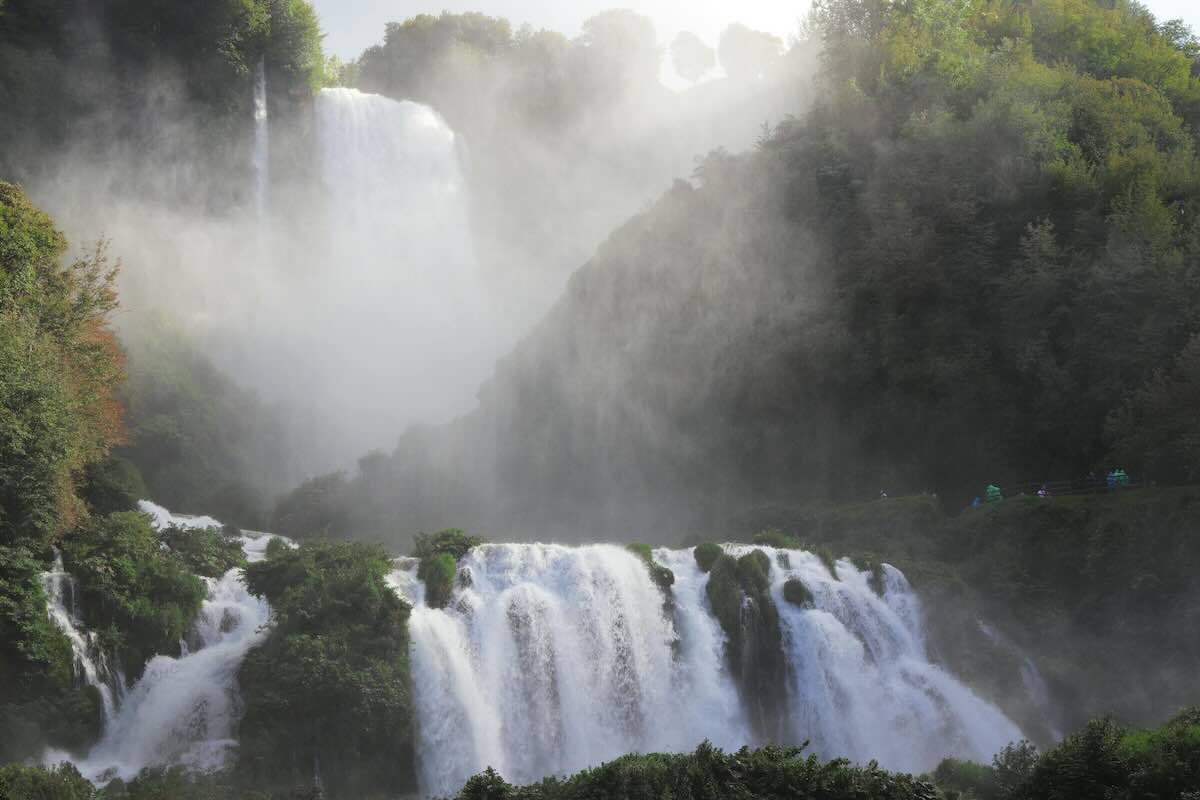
353 25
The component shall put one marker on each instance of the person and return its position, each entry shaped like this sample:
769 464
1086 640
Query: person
976 501
1111 479
882 494
1043 492
993 493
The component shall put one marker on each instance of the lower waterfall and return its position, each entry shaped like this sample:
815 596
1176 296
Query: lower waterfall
550 659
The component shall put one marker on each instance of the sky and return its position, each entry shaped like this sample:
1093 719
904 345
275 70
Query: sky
353 25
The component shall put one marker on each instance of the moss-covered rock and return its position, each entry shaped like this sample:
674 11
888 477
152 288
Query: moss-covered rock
706 554
796 593
663 577
773 537
436 571
754 572
454 541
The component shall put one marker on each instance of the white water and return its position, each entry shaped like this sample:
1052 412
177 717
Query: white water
550 659
185 710
397 326
262 142
90 663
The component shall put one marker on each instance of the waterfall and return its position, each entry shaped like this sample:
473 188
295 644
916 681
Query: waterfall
262 140
91 666
185 710
550 659
397 326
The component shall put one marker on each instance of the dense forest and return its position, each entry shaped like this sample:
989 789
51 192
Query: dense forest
973 261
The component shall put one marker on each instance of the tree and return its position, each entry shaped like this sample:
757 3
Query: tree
748 54
691 56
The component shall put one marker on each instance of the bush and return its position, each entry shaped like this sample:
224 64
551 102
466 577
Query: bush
113 485
437 571
141 596
210 552
796 593
328 692
773 537
452 540
706 555
772 773
19 782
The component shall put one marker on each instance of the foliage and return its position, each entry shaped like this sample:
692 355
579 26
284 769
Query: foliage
18 782
710 774
114 484
141 596
437 571
747 54
773 537
663 577
706 555
59 368
1103 759
210 552
452 541
330 685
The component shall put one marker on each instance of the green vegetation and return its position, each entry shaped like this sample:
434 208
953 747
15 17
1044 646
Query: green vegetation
440 553
210 552
106 66
18 782
113 485
706 555
140 596
1104 759
59 370
770 773
663 577
328 692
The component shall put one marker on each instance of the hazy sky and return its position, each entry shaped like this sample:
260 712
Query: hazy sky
353 25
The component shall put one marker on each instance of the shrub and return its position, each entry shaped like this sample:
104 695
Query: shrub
706 555
796 593
142 596
329 689
773 537
113 485
210 552
437 571
19 782
966 779
452 540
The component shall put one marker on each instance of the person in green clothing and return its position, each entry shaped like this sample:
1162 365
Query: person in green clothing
993 493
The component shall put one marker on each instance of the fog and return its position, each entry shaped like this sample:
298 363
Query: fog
361 262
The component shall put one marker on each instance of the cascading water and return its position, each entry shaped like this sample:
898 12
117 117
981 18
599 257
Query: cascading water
550 659
262 141
90 663
397 326
184 710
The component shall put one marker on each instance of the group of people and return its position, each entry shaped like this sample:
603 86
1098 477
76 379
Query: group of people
1116 479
